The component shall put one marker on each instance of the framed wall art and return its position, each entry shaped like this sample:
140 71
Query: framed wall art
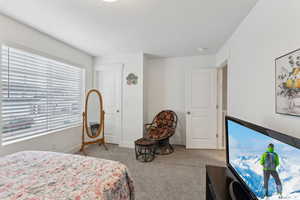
288 83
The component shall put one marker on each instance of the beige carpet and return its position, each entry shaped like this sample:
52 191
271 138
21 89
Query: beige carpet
179 176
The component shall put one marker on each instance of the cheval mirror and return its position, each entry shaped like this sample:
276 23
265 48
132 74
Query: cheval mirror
93 120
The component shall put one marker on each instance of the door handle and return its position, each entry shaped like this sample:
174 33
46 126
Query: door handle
188 113
118 111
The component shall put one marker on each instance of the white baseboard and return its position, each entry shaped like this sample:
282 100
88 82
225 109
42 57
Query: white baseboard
111 139
127 144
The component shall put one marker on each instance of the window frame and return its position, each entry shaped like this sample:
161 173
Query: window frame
47 56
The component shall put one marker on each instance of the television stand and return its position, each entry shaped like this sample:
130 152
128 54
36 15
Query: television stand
218 180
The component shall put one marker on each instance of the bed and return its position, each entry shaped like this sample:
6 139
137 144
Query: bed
36 175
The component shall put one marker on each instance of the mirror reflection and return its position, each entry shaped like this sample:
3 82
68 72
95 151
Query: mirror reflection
94 114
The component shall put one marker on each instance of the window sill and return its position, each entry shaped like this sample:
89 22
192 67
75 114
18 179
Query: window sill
38 135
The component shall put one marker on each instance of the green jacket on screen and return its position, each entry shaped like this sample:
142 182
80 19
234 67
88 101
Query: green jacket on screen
270 160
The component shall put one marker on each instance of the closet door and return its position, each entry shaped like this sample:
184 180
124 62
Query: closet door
108 80
201 108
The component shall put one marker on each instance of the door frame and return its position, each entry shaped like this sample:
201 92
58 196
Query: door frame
187 77
221 112
120 69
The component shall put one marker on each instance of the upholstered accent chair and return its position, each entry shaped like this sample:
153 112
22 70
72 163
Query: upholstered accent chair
161 129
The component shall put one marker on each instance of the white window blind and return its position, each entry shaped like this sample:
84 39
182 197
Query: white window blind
39 94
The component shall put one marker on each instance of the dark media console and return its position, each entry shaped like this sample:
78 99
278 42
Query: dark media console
218 180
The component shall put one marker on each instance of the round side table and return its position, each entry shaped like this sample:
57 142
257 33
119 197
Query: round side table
145 150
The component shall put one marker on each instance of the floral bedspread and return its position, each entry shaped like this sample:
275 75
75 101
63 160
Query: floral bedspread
34 175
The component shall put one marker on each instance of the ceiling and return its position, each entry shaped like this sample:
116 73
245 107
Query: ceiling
165 28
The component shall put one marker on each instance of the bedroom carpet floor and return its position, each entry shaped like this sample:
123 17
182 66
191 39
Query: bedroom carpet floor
179 176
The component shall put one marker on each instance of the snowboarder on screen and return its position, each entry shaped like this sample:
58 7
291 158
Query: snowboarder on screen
270 161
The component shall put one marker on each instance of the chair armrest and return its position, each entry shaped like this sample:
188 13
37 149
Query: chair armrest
147 126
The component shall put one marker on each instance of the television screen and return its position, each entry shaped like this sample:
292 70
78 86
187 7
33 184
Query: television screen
270 168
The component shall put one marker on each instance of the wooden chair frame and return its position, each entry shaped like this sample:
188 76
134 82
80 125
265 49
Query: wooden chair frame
163 142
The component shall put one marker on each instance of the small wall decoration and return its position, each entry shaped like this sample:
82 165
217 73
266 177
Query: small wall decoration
132 79
288 84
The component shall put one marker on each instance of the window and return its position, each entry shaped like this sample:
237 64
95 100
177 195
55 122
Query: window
39 94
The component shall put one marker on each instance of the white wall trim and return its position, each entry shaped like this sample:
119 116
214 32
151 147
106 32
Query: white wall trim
127 144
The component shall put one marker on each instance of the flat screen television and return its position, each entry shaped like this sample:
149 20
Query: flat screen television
266 162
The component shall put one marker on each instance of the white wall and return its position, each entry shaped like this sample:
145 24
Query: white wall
132 99
270 30
19 34
165 87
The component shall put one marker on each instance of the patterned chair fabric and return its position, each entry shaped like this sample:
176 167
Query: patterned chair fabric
160 133
165 119
163 125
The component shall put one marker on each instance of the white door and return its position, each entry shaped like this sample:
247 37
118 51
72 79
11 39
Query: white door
108 80
201 108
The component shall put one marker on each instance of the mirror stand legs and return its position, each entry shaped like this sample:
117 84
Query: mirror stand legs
82 150
104 144
99 142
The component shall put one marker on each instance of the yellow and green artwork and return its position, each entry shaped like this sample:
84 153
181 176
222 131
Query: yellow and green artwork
288 84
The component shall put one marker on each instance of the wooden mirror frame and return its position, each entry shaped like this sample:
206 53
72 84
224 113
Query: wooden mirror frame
85 127
101 114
